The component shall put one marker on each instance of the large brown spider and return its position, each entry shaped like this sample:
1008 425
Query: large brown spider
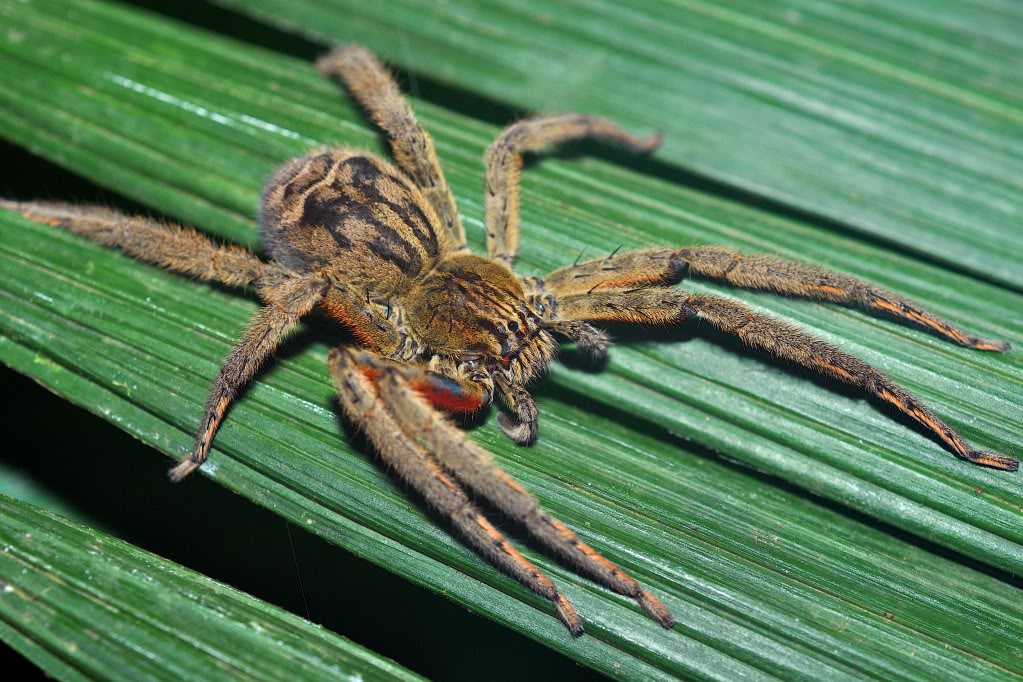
383 251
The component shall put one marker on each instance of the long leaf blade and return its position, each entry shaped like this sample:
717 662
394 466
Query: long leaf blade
877 116
174 127
85 605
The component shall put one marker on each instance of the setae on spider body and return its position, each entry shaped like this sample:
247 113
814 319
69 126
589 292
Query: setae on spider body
382 250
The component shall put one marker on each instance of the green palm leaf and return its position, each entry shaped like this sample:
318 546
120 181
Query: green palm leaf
896 121
765 580
84 605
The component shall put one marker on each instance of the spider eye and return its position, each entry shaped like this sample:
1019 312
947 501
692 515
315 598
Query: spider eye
513 326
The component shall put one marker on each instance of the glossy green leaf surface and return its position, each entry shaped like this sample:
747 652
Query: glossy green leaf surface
84 605
899 121
765 579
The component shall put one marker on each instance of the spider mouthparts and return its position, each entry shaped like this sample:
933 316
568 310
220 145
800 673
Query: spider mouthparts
523 433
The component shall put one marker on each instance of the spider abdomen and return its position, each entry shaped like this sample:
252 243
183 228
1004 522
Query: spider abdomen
349 212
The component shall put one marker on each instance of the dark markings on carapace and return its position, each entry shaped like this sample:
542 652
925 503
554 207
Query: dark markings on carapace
367 210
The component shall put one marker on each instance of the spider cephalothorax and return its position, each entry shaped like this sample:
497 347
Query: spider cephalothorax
382 250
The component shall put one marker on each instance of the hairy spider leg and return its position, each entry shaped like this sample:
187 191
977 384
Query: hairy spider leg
374 88
184 250
659 305
504 167
421 471
289 301
752 271
170 246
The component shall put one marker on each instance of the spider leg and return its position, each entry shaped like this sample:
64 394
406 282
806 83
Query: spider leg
504 166
375 89
419 469
476 469
752 271
446 386
288 298
659 305
169 246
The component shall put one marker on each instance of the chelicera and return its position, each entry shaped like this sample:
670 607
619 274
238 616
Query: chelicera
382 250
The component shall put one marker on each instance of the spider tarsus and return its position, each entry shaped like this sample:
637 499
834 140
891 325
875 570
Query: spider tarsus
594 341
523 433
994 461
183 469
989 345
328 64
567 615
656 609
650 143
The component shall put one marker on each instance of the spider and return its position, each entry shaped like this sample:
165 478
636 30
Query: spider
382 250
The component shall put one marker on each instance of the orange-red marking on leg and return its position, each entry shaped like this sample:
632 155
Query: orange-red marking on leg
511 483
833 291
996 346
942 327
447 396
543 581
35 217
655 608
634 280
592 554
835 370
566 612
342 315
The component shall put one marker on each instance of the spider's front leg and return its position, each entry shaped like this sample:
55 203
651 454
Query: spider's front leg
389 401
504 166
659 305
648 267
